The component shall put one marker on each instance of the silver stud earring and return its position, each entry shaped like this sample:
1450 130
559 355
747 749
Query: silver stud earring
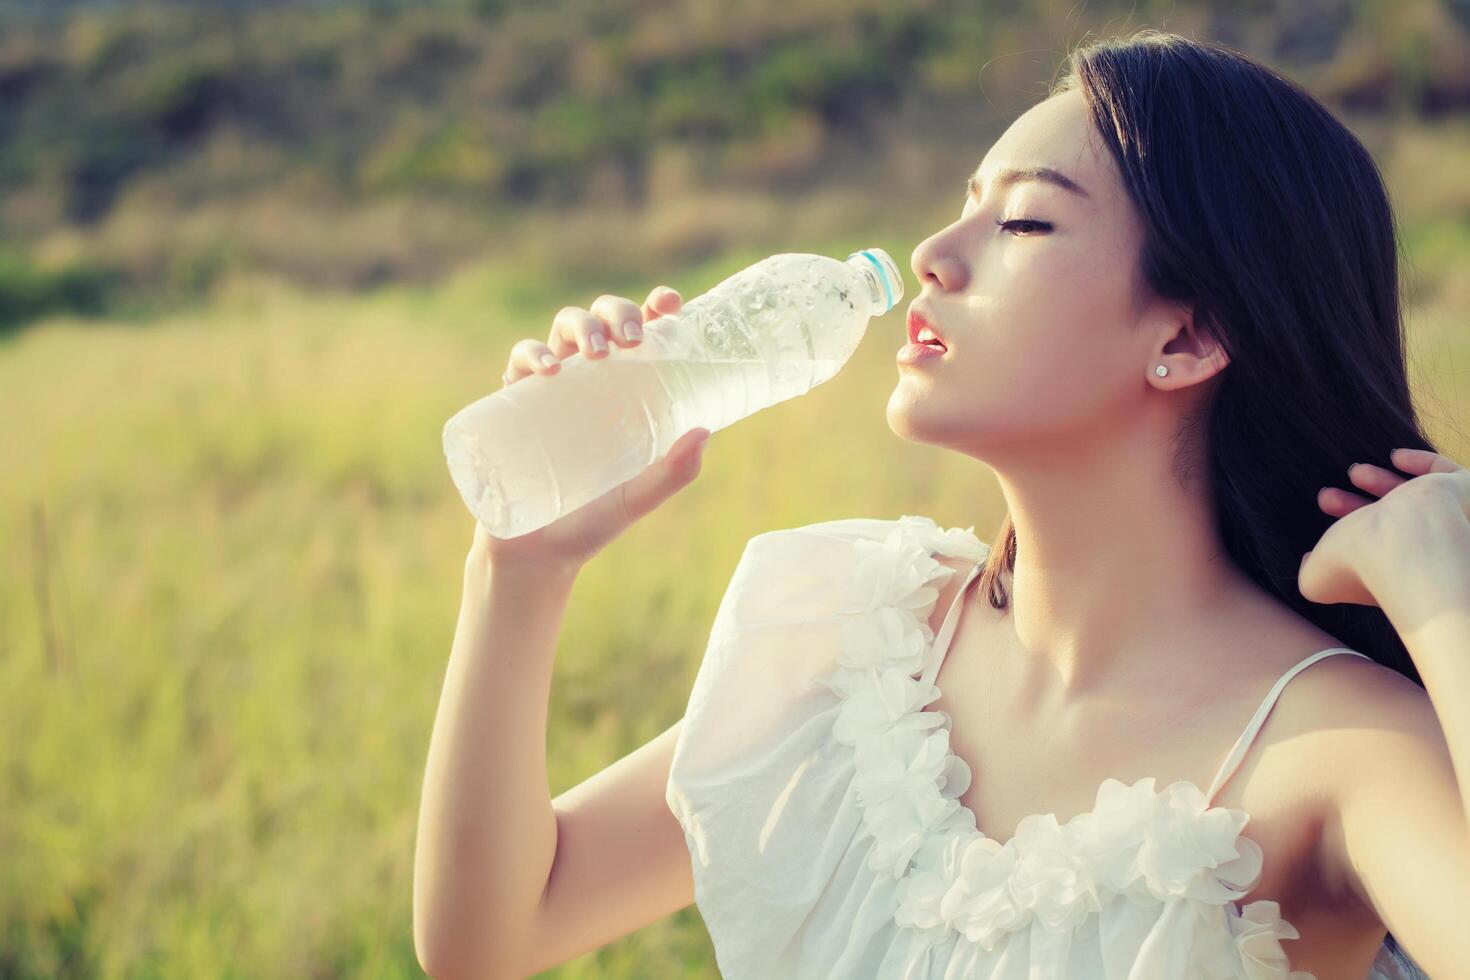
1161 370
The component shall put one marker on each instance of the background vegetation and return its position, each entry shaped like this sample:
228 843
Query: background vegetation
252 256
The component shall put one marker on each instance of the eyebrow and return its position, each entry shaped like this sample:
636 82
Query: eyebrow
1012 175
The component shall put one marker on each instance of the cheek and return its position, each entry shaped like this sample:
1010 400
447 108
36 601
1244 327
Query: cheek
1051 382
1048 331
1044 356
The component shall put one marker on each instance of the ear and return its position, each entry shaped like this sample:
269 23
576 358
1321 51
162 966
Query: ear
1188 344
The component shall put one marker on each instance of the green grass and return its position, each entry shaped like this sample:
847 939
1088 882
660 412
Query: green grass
231 586
230 594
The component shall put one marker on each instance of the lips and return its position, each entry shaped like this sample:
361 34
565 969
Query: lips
917 322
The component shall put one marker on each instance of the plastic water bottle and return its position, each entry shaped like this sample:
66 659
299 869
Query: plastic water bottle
533 451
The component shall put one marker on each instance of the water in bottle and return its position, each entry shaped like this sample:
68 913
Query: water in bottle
544 446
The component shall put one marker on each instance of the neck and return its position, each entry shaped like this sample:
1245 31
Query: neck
1116 565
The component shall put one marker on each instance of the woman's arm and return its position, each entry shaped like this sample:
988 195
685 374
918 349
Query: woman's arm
1400 838
487 831
1400 834
1434 624
508 882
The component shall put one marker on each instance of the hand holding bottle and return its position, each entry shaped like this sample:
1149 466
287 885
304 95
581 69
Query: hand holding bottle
529 453
574 538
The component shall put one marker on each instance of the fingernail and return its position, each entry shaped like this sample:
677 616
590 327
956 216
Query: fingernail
632 330
548 359
599 343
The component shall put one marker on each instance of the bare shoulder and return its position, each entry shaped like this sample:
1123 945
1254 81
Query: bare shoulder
1333 696
1376 753
1358 720
1331 718
947 591
1347 694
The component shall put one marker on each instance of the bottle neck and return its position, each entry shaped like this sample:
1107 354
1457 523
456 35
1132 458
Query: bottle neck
882 295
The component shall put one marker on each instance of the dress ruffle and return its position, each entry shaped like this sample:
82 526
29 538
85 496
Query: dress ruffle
1143 844
819 796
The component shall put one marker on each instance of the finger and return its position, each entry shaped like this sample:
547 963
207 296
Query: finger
621 318
1421 461
1374 479
1339 502
526 357
1314 584
661 302
577 331
653 486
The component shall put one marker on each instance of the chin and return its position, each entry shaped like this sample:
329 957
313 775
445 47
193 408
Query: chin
913 421
908 419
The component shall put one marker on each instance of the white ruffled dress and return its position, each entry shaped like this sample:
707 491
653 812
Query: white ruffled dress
819 800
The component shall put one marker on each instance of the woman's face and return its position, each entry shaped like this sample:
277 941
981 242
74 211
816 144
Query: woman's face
1040 315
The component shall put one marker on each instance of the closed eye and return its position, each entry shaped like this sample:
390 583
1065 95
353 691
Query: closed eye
1013 223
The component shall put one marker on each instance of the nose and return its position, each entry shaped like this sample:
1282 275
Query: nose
937 265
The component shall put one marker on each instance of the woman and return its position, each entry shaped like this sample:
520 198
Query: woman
1169 313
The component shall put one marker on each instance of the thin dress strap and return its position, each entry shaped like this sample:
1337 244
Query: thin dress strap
946 629
1243 744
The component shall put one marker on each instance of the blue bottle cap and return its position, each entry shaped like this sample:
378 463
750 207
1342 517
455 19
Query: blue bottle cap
888 275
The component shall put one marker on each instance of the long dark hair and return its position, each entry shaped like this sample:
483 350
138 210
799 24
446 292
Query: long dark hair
1266 213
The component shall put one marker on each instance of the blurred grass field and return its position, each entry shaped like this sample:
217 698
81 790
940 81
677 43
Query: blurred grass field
230 596
234 559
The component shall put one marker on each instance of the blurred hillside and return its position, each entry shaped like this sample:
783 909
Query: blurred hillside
149 153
